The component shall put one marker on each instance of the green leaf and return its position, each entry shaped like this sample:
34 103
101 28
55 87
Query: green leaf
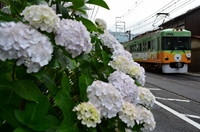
49 82
63 11
77 4
84 82
26 89
68 126
63 59
6 18
65 103
8 96
101 3
19 129
88 24
39 109
106 58
34 115
65 83
7 113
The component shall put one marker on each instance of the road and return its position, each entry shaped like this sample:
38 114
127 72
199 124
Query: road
177 106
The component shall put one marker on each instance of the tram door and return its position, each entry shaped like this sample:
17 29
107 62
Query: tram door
158 49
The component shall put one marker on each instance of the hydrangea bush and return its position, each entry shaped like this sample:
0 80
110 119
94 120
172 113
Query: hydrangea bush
61 72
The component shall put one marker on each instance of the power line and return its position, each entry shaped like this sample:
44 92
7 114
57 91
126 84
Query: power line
167 8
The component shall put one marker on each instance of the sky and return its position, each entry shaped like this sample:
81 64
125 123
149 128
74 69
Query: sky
139 15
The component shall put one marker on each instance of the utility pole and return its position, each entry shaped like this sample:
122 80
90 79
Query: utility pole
120 24
129 34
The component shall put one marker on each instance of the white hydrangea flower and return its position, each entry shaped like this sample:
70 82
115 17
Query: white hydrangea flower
22 42
126 85
105 97
110 41
122 63
88 113
146 118
101 23
6 9
41 16
74 36
146 97
129 114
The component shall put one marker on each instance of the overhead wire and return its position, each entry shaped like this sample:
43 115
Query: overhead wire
167 8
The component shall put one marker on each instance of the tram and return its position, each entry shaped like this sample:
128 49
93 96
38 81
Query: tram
166 50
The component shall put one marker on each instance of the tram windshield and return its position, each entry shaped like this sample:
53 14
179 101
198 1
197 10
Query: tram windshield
176 43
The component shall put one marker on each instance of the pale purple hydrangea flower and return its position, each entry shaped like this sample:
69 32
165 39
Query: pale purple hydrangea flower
146 118
129 114
88 114
126 85
41 16
124 64
110 41
105 97
146 97
74 36
22 42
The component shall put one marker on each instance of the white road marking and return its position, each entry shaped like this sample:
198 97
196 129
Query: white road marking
192 116
153 88
179 100
183 117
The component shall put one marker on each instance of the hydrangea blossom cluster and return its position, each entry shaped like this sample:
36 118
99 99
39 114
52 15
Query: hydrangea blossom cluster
122 59
105 97
146 118
131 68
74 36
110 41
129 114
101 23
88 114
126 85
20 41
41 16
146 97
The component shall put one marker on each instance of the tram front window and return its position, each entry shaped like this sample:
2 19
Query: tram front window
176 43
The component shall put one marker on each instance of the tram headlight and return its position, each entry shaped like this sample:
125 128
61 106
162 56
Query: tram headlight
188 55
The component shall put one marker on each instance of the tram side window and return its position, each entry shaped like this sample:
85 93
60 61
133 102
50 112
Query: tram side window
153 45
149 45
140 47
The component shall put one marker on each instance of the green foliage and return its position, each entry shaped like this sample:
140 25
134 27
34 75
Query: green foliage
44 101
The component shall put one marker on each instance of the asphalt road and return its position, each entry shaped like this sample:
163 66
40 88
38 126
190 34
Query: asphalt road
177 106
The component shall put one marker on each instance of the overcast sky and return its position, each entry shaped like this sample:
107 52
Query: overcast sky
130 12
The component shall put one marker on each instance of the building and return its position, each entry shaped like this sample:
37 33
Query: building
122 36
189 21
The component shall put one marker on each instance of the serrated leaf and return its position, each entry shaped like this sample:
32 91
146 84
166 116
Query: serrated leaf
101 3
34 115
84 82
39 109
26 89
